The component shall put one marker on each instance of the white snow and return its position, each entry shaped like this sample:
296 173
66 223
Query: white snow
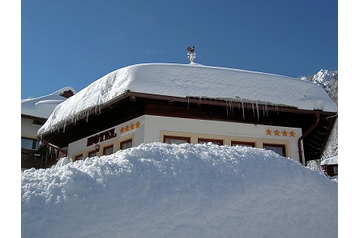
190 80
330 160
43 106
161 190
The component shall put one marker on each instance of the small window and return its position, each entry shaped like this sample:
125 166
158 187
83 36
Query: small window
243 143
92 153
27 143
335 170
126 144
108 150
79 157
279 149
217 142
176 139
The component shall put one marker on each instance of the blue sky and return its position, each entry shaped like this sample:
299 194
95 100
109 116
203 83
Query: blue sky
75 42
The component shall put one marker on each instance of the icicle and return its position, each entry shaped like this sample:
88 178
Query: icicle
265 112
64 127
243 110
253 108
227 107
276 108
188 102
87 115
258 111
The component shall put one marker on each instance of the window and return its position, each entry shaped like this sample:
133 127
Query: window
217 142
92 153
335 170
243 143
27 143
126 144
108 150
279 149
176 139
79 157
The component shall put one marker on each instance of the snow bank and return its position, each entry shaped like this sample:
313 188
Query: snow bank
161 190
189 80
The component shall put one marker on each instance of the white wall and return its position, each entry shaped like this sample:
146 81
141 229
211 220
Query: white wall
156 126
135 132
148 128
28 129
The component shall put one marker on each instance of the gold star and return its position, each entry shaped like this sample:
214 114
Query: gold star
127 128
277 133
132 126
122 130
137 125
292 134
268 132
284 133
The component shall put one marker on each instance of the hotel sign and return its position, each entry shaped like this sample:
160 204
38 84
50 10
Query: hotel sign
101 137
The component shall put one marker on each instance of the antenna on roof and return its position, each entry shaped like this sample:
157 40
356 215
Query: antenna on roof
191 54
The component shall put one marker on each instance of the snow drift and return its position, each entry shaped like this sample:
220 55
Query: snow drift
162 190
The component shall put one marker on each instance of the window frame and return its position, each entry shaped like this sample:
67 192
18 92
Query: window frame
183 138
107 147
35 144
79 157
124 142
92 151
214 141
335 170
243 143
282 146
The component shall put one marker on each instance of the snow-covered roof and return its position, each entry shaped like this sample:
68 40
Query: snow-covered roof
330 160
42 107
191 80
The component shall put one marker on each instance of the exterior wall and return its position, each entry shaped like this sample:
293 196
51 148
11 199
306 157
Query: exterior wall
130 130
146 129
28 128
157 127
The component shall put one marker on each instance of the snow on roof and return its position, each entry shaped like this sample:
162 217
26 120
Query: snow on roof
191 80
42 107
330 160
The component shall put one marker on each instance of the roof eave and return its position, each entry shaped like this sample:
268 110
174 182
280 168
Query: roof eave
201 100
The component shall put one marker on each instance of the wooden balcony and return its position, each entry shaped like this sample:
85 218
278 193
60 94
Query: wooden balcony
43 158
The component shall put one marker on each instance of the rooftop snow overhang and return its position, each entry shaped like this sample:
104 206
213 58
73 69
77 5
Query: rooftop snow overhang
190 83
246 104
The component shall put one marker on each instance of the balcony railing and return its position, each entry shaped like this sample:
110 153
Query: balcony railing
42 158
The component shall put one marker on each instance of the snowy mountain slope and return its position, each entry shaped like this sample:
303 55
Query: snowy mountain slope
161 190
328 80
